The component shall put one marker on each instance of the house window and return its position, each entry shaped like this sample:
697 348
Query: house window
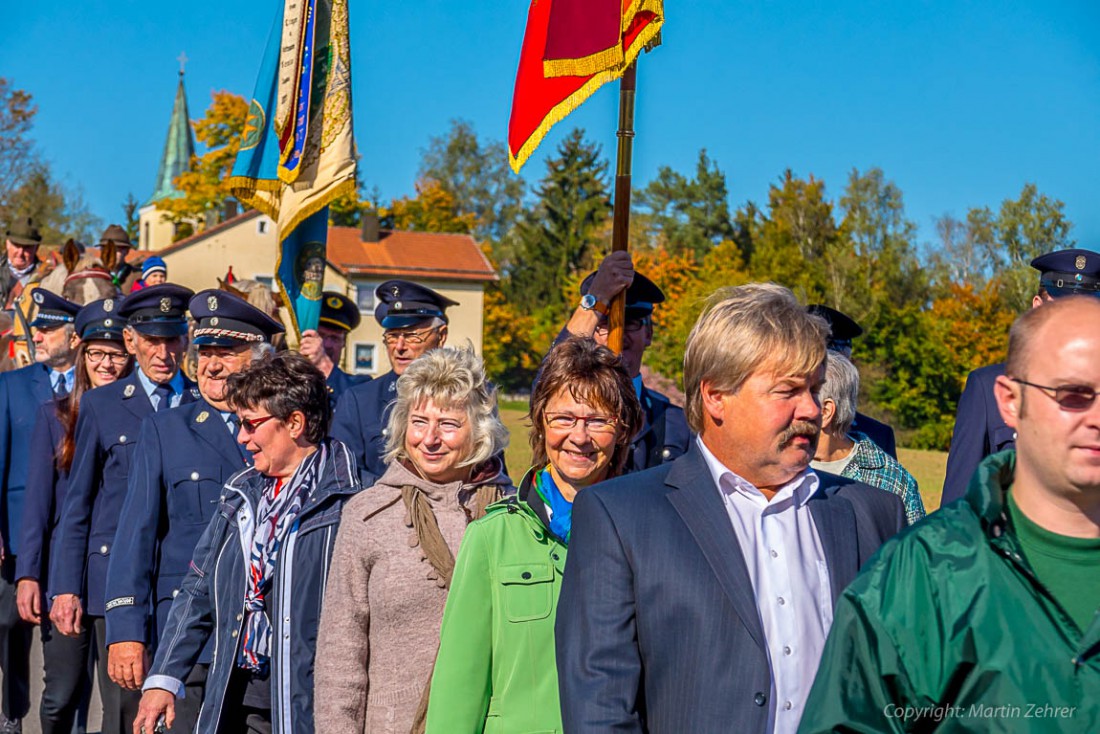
364 295
364 359
261 226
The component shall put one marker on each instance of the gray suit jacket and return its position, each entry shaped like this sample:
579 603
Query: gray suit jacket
657 627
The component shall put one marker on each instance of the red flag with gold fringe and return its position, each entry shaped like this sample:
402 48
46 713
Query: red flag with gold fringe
571 48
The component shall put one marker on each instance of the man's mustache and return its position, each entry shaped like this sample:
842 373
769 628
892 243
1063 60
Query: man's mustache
800 429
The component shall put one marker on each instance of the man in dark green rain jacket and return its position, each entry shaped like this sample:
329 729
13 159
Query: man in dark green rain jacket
983 617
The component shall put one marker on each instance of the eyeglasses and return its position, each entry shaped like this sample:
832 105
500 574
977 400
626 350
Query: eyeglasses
410 337
252 425
1074 398
95 356
592 423
633 326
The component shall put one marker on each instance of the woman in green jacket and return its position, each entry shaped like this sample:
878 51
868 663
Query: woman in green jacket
496 671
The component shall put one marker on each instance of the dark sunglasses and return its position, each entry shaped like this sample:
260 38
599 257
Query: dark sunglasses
1074 398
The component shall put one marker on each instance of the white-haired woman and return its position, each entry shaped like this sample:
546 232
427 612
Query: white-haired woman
396 547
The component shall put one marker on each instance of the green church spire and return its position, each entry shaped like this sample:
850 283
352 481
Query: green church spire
178 149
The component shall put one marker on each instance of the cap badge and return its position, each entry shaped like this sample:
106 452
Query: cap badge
109 305
38 297
333 302
396 291
1079 263
201 417
165 305
107 322
214 321
129 391
212 303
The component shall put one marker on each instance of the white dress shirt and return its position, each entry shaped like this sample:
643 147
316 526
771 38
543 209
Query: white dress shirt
790 578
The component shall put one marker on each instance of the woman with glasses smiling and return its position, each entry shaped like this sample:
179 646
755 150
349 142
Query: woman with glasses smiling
100 360
259 572
496 666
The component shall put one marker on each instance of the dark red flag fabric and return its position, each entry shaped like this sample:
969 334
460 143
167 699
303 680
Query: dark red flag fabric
570 49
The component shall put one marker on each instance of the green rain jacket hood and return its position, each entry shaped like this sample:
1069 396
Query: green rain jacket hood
948 630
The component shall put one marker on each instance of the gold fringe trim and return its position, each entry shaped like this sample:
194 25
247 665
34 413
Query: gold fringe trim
644 6
245 189
562 110
584 65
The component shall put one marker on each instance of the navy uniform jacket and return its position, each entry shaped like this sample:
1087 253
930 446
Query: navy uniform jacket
663 437
46 487
360 424
21 392
184 457
657 625
339 382
979 431
877 431
106 433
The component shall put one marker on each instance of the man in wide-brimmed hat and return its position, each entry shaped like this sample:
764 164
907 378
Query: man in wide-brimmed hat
19 263
125 275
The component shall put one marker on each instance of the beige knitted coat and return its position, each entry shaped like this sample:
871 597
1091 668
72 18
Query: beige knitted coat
383 606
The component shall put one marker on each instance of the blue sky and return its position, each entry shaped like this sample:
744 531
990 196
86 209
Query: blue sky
960 103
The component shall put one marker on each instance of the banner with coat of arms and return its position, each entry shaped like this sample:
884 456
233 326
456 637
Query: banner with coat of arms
297 151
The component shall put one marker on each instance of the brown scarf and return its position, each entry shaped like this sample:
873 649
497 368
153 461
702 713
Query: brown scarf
439 554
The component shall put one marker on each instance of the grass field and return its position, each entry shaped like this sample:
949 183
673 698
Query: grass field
928 467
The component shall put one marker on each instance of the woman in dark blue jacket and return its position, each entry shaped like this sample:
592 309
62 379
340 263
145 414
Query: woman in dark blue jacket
100 360
258 576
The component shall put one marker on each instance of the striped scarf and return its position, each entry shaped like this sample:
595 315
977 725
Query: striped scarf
276 516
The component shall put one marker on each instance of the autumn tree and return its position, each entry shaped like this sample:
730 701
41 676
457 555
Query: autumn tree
204 186
433 209
687 215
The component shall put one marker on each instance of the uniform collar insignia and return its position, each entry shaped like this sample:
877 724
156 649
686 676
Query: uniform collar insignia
201 417
128 392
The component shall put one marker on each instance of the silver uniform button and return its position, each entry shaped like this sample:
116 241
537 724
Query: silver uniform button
234 633
665 454
385 432
175 593
122 439
194 476
103 549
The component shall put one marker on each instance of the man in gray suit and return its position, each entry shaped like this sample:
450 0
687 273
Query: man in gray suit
698 594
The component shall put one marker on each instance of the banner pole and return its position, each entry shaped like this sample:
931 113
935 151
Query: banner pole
620 231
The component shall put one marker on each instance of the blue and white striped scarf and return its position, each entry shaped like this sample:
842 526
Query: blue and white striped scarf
276 516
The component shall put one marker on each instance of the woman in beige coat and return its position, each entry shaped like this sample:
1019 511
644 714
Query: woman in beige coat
395 550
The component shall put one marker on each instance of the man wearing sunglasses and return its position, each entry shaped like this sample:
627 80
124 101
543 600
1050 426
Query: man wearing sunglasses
22 391
183 459
106 435
984 616
665 434
979 428
414 319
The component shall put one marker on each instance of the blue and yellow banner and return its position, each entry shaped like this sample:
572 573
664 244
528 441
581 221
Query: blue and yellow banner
297 152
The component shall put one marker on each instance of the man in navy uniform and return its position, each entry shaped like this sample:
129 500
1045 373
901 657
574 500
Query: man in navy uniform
184 458
325 346
21 393
843 329
106 433
665 434
979 428
415 320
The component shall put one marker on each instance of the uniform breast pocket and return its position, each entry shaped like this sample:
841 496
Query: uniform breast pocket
527 591
119 453
193 493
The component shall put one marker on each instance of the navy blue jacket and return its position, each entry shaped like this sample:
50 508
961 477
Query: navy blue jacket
979 431
46 488
339 382
360 424
183 459
877 431
657 624
21 392
663 437
106 433
211 601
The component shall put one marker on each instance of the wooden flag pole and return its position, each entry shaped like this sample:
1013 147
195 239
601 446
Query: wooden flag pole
620 231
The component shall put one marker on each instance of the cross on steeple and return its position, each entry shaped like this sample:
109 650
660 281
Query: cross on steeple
182 58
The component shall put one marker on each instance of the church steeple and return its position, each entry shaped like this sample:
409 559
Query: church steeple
178 148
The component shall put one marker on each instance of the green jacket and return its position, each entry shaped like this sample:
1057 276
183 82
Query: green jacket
948 630
496 670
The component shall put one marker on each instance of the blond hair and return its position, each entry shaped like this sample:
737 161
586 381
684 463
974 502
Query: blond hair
743 328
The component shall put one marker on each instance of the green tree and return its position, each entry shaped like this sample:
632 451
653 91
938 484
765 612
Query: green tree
561 235
476 174
17 158
688 215
130 217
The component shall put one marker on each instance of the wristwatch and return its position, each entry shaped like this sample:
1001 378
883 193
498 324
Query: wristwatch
589 303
